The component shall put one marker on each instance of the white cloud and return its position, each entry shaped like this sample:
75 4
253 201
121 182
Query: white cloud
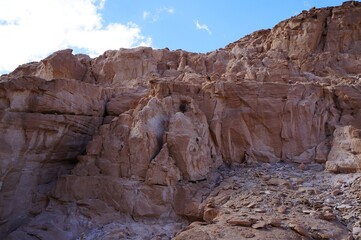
154 17
202 27
146 15
31 30
169 10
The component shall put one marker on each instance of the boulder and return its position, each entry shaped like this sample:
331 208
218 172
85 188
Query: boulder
344 156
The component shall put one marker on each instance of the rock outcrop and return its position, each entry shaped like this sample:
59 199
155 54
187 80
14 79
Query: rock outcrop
345 152
140 137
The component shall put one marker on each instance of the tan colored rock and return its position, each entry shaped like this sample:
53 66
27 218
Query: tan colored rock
241 221
344 154
300 229
282 209
68 97
44 126
275 222
259 225
193 234
327 215
279 182
61 64
163 170
190 145
146 134
210 214
122 99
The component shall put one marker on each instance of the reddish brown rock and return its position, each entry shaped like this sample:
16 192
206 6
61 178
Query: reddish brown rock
44 126
61 64
242 221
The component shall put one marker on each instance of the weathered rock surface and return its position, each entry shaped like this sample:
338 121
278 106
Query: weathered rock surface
140 138
44 126
345 152
247 204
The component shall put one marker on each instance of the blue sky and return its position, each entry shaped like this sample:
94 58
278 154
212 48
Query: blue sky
31 30
227 21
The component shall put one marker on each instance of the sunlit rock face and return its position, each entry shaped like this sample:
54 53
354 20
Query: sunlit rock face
138 135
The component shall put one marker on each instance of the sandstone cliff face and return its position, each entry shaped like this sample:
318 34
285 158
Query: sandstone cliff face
44 127
142 132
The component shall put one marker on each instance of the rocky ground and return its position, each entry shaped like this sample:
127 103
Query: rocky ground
262 201
281 201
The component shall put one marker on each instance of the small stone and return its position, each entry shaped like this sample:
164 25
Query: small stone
336 192
279 182
251 205
302 166
275 222
315 214
266 177
259 210
260 224
299 229
241 221
309 190
297 180
356 231
348 216
344 206
275 202
249 235
327 208
307 211
210 213
282 209
211 202
328 216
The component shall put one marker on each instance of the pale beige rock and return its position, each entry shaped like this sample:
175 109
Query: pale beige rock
241 221
163 170
190 145
146 134
300 229
344 154
259 225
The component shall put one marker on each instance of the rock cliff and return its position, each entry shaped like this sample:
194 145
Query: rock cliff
155 139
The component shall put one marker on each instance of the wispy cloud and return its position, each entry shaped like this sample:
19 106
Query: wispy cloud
169 10
28 33
201 26
146 15
307 4
154 17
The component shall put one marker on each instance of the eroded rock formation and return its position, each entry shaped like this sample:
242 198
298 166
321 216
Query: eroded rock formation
137 136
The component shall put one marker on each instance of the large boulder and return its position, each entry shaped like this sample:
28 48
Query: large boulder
345 154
